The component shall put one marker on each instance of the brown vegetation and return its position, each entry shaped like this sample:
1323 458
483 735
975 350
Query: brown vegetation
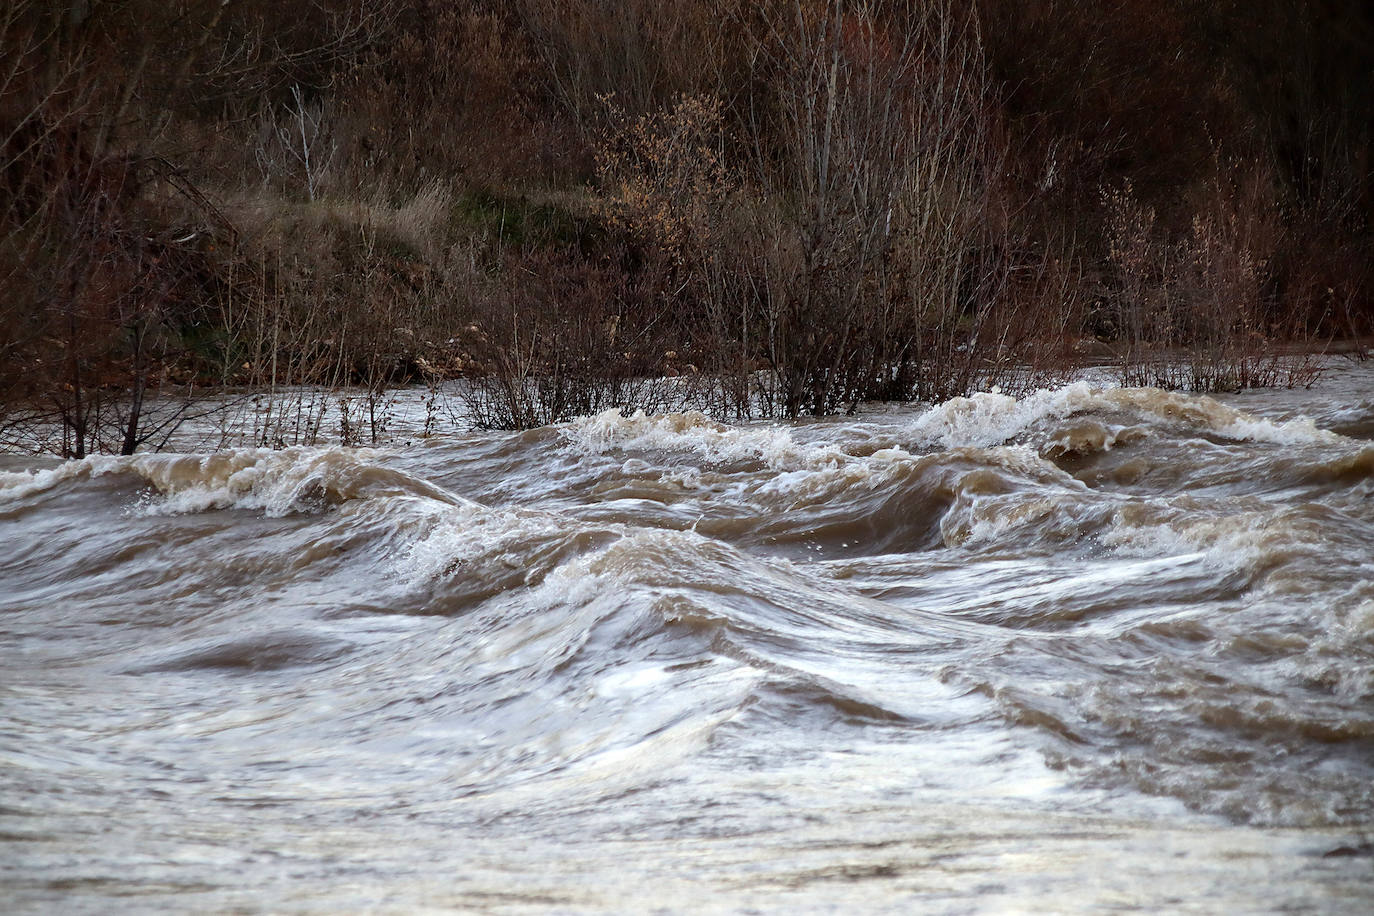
783 208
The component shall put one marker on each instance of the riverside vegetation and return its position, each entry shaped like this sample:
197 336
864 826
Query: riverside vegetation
782 208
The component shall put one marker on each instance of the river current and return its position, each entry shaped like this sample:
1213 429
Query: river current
1088 649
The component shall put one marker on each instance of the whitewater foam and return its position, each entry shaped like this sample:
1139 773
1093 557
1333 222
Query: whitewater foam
467 532
695 433
15 485
276 482
986 418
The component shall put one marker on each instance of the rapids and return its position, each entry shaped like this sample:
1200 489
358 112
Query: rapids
1092 648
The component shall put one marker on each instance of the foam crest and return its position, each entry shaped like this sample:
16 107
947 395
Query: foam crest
695 433
1298 431
1207 414
883 468
20 484
276 482
469 553
468 532
1161 539
1248 542
989 418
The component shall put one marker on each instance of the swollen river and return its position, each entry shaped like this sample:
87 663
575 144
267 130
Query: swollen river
1089 649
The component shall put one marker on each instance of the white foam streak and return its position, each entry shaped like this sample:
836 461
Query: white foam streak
20 484
1298 431
696 433
276 482
987 419
1243 542
468 532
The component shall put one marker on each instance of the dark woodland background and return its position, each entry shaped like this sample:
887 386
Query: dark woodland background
811 203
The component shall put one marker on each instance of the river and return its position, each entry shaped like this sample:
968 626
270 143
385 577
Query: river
1088 649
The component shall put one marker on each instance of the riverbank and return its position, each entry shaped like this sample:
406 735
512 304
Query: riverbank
1089 648
569 199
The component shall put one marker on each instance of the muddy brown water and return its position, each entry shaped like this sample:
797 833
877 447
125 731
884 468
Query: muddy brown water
1090 649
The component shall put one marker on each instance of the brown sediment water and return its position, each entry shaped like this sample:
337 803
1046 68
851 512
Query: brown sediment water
1088 649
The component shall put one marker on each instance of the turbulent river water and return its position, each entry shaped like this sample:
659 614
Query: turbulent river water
1090 649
